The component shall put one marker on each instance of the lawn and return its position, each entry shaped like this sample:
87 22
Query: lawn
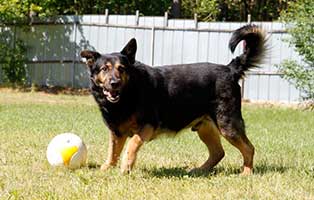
284 161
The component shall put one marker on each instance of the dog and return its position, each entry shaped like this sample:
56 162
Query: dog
141 102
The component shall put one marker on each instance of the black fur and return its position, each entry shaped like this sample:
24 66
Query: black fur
171 97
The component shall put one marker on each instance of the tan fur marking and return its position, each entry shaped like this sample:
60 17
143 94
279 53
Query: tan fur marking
195 123
210 135
247 150
118 64
109 65
129 127
101 78
123 76
133 146
90 62
114 150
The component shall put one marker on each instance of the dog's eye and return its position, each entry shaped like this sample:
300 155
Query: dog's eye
104 68
121 69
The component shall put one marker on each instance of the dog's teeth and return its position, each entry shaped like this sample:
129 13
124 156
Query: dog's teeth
106 93
111 96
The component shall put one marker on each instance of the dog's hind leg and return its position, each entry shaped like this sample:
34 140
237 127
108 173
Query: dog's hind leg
231 124
210 135
234 132
115 147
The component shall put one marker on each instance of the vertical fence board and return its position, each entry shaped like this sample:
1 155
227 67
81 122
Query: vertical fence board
167 47
189 50
202 46
213 44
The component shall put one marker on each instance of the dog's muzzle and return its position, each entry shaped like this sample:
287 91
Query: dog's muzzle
112 96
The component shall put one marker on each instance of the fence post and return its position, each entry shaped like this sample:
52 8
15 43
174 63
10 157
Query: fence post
249 18
74 51
166 19
195 21
137 17
152 46
107 16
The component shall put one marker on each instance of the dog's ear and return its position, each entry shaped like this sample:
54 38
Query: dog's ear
91 56
130 50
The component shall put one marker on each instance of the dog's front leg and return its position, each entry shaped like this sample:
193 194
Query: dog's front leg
133 146
115 147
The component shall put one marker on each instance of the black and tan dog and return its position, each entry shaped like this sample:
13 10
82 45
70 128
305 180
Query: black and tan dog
140 101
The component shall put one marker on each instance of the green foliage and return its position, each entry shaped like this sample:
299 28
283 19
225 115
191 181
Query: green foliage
12 50
206 10
260 10
233 10
299 19
12 9
12 58
148 8
302 77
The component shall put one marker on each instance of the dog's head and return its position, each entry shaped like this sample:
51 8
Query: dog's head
110 72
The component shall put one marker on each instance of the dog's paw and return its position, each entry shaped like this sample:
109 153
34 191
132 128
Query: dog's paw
105 167
125 169
247 171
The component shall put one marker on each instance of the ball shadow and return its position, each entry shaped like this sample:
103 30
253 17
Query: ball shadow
92 165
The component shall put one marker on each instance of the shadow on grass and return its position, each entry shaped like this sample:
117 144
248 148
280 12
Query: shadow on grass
180 172
93 166
264 168
259 169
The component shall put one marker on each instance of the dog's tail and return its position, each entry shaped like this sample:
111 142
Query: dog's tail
254 48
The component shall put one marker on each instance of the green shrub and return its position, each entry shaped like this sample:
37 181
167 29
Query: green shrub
12 58
206 10
299 20
301 76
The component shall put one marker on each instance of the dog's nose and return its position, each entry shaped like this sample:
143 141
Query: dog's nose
114 83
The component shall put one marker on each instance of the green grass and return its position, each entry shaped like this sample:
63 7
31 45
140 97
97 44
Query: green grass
284 161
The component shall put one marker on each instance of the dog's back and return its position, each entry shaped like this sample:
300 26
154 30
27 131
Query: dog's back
186 92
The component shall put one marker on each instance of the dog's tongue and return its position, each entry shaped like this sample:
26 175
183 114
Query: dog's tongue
113 94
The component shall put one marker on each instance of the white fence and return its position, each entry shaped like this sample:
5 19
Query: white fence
54 46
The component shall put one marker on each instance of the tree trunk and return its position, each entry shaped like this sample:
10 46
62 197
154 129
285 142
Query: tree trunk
176 9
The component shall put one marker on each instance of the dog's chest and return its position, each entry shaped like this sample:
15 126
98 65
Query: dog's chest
129 126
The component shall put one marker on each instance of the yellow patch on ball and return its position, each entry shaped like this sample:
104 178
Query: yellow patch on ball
67 149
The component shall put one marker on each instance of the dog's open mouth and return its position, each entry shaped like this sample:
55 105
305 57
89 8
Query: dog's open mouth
112 96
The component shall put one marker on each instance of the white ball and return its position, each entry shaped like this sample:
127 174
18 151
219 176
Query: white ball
67 149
